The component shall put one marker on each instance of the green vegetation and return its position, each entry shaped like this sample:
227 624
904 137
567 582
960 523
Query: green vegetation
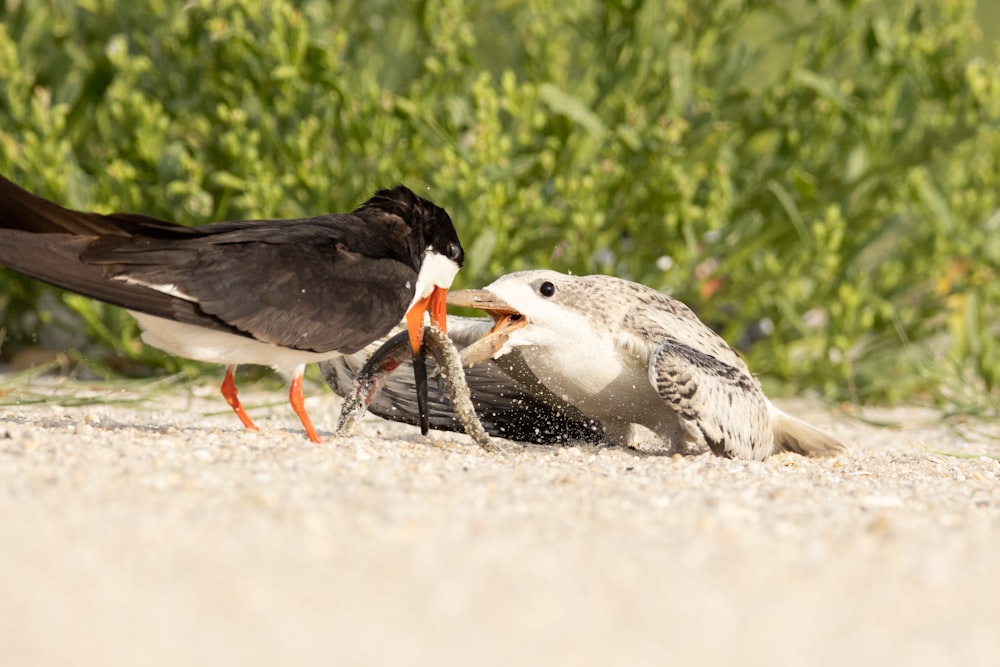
828 168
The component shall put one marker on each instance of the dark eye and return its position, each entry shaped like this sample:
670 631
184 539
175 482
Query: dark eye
453 250
547 289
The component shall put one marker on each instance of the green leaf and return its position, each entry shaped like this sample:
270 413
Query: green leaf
561 102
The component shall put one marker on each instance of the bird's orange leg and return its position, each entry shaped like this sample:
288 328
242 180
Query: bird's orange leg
299 403
229 393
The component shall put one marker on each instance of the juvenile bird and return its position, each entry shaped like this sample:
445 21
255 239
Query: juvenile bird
620 361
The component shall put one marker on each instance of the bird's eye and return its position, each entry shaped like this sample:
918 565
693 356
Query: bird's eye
546 289
453 250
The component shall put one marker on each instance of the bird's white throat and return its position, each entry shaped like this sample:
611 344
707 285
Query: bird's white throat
437 270
561 345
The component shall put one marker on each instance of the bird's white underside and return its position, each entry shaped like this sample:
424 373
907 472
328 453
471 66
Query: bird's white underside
219 347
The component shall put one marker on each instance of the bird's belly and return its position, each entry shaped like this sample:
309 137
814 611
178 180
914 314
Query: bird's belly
626 399
604 386
218 347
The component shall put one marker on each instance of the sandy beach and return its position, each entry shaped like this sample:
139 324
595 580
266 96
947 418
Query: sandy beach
146 527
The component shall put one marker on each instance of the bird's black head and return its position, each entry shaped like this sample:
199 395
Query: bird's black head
435 253
430 224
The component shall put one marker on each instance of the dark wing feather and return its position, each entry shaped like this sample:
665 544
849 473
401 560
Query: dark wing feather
507 407
55 259
328 283
24 211
294 283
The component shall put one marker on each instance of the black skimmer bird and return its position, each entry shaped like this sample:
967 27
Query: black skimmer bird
279 293
593 358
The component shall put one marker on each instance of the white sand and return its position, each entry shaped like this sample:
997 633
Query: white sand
162 534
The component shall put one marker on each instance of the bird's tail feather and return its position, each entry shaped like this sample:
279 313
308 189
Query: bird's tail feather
21 210
24 211
794 435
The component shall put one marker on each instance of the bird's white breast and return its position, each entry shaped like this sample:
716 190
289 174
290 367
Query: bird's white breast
589 369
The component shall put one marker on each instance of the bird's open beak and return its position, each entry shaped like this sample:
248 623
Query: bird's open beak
436 303
479 299
506 319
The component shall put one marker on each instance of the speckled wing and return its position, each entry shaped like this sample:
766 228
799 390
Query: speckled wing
509 401
720 405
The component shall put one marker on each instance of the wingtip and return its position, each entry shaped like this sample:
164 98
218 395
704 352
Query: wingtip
794 435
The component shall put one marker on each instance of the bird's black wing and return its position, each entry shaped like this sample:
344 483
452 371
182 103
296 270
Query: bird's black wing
517 409
322 284
298 284
27 212
55 259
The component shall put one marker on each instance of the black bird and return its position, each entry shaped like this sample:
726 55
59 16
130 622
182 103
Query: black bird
279 293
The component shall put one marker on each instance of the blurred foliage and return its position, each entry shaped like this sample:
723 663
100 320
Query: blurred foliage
818 179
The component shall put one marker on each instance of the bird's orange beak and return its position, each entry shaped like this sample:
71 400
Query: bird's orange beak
506 319
437 304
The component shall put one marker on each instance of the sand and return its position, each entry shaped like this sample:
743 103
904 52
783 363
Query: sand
150 529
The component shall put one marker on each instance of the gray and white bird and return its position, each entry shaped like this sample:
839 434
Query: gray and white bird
601 359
